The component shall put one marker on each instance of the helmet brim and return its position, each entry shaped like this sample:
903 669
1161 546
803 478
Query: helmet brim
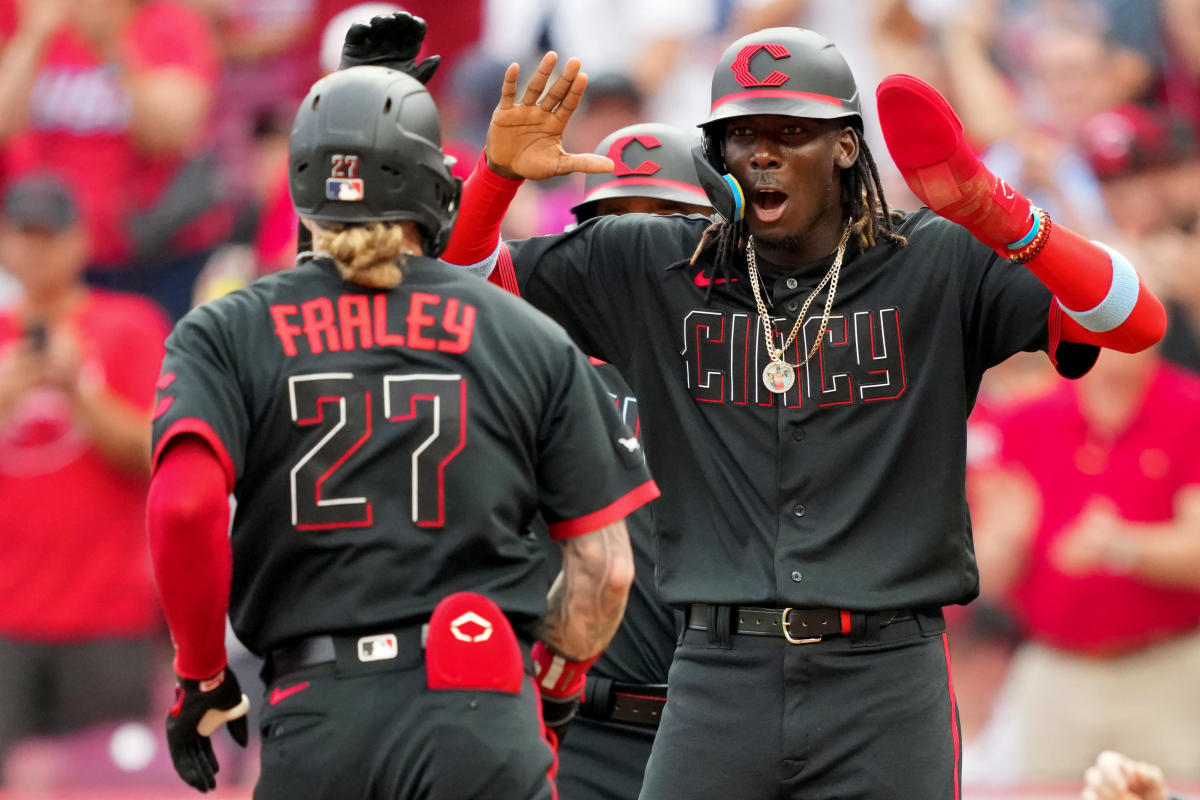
780 102
642 186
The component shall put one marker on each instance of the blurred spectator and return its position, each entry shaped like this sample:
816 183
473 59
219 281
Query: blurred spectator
1181 79
78 614
267 68
1106 582
1149 168
652 43
1025 83
115 96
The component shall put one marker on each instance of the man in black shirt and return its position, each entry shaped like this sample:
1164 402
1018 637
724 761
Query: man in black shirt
804 371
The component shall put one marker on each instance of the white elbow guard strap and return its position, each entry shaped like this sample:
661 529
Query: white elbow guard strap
1118 304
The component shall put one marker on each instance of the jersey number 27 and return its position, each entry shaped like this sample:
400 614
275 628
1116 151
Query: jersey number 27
430 407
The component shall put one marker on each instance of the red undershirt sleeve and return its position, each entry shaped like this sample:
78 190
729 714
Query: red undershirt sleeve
187 515
485 199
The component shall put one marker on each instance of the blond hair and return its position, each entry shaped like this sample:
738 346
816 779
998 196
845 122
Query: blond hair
370 255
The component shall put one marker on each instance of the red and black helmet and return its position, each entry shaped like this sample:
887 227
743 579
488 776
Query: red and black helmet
792 72
652 160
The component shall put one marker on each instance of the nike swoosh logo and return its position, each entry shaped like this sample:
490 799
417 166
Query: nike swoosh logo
703 280
278 694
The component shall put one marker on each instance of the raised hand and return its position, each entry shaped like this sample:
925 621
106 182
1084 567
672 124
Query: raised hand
391 41
525 138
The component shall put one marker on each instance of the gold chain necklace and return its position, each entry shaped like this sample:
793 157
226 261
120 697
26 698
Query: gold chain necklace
779 375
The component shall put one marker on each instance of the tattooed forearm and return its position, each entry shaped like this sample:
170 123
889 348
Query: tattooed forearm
587 599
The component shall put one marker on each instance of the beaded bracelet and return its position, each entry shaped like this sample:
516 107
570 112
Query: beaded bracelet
1026 253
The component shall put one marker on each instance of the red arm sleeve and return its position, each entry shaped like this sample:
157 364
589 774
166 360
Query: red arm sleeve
485 198
187 515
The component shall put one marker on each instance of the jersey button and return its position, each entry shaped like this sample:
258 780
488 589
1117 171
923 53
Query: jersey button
798 433
792 306
792 283
798 510
796 576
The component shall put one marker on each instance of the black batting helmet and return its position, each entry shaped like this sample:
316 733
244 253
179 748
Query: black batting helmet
652 160
366 146
792 72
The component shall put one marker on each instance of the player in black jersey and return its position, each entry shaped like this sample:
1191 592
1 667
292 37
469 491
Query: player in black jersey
389 427
804 370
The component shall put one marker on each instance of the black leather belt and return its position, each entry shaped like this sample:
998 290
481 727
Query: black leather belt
299 654
797 625
638 704
351 651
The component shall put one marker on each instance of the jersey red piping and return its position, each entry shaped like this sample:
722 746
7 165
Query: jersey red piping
552 772
1054 324
202 429
618 509
953 715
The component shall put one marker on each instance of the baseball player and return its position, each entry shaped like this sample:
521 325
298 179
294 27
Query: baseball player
389 427
605 754
804 370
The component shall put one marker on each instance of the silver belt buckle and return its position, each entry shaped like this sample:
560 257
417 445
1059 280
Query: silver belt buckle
785 623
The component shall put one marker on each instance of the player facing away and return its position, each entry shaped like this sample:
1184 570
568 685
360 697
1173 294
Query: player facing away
389 427
804 370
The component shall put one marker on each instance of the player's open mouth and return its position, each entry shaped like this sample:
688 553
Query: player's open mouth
769 204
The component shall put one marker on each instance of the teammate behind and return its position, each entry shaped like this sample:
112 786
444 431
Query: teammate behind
811 451
389 427
605 755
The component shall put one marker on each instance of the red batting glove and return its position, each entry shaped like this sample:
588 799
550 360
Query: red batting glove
560 682
926 140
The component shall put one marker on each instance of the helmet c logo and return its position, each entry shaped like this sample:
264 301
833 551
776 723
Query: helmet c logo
617 153
741 65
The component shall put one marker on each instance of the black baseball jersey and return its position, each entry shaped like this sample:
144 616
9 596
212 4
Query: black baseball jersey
642 648
390 447
847 490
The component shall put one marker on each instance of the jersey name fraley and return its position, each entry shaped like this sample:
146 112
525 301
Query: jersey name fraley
362 321
861 358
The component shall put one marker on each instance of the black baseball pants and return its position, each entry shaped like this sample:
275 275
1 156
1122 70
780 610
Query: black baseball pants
376 732
866 716
602 760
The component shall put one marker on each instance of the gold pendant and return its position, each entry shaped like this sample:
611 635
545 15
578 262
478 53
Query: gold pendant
779 376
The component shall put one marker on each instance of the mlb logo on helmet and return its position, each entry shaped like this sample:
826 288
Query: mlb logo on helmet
346 190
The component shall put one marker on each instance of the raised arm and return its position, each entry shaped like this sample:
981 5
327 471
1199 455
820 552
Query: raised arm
1103 299
524 140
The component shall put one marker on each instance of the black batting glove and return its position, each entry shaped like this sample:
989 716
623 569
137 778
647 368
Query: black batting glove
200 708
391 41
557 713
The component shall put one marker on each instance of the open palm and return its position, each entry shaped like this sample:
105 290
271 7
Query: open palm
525 138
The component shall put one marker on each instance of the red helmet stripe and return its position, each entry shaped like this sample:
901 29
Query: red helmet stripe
773 93
641 180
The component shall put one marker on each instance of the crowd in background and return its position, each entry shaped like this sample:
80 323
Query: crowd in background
143 150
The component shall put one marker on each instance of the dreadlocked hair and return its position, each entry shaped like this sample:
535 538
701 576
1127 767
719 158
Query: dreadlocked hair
370 255
863 204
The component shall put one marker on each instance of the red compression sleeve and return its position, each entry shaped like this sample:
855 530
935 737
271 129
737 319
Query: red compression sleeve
485 198
1105 300
187 514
